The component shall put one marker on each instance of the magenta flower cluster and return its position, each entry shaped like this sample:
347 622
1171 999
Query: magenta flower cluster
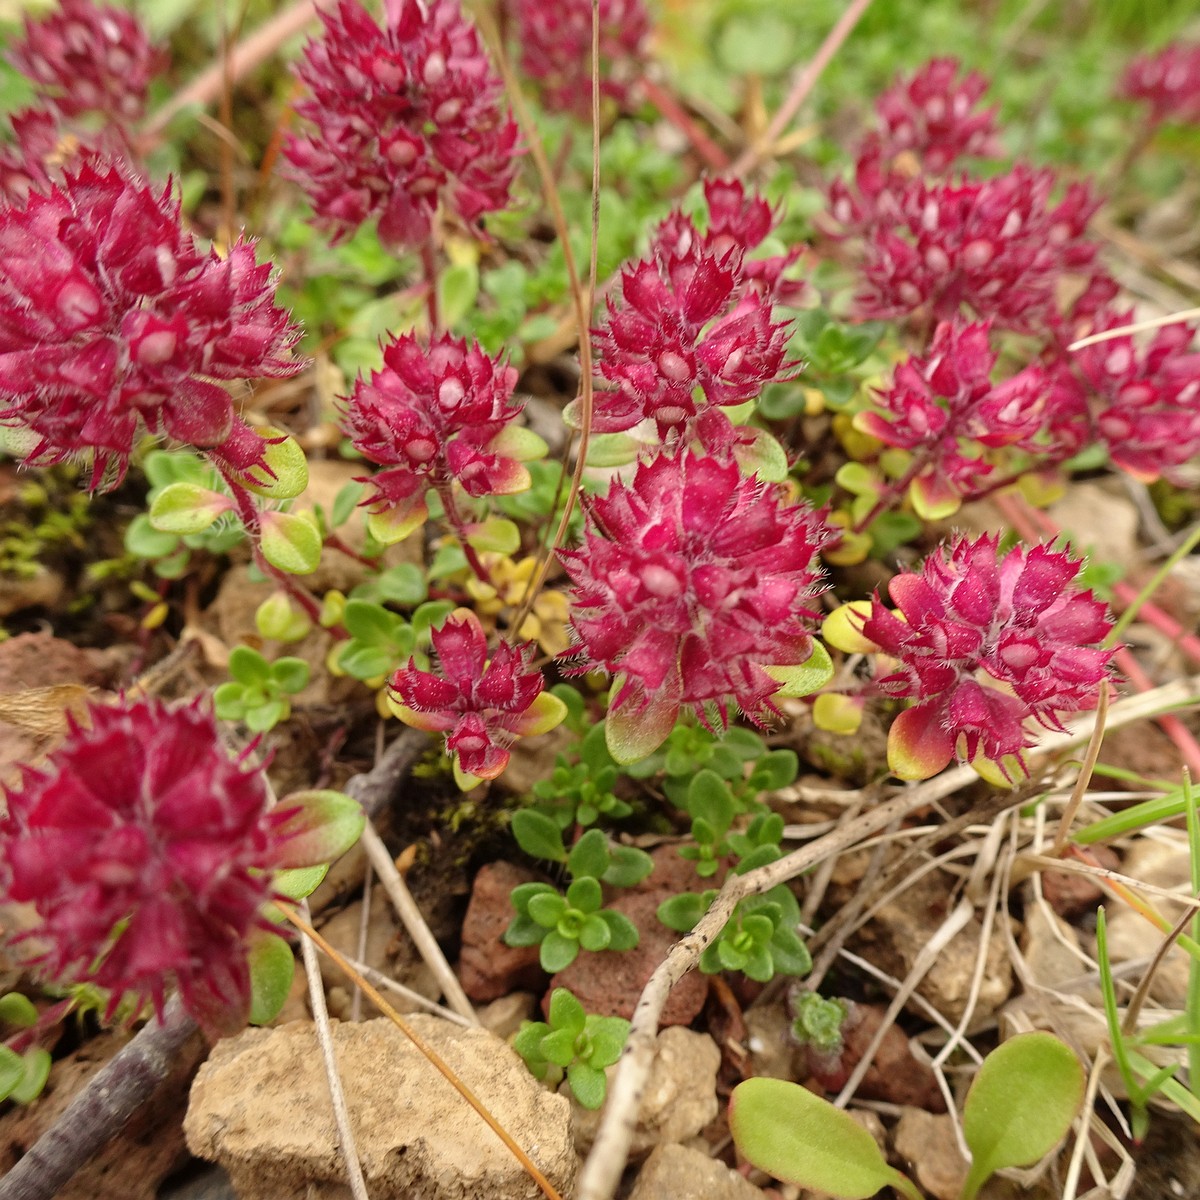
983 644
691 583
695 328
87 58
91 66
146 852
402 116
938 246
432 416
943 407
1168 81
1145 403
481 705
555 40
112 319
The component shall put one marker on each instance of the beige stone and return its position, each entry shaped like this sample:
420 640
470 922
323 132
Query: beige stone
926 1141
680 1097
260 1107
681 1173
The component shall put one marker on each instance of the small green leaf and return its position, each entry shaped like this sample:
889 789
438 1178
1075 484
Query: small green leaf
187 508
565 1011
595 935
584 893
458 288
612 449
276 618
37 1062
403 585
794 1135
546 908
683 911
345 502
272 966
589 855
627 867
297 882
608 1035
622 931
496 535
12 1071
806 677
393 525
523 931
558 952
290 542
249 667
290 674
538 835
144 541
1020 1106
632 731
559 1046
17 1009
588 1084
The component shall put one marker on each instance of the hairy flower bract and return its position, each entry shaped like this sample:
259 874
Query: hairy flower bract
984 643
111 318
403 114
481 705
692 582
142 846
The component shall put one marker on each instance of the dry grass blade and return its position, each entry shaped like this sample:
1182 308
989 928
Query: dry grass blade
337 1096
442 1066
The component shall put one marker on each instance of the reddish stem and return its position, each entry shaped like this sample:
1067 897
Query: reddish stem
714 157
454 517
429 262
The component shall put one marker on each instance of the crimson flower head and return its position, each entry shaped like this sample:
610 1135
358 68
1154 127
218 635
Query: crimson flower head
111 318
943 407
146 852
982 644
434 415
934 117
694 330
89 58
555 37
693 587
997 249
403 114
1168 81
481 705
1147 400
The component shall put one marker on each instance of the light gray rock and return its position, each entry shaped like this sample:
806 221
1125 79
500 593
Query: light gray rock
260 1107
681 1173
680 1097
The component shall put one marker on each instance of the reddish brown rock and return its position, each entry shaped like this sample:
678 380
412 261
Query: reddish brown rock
609 984
488 968
895 1074
1072 895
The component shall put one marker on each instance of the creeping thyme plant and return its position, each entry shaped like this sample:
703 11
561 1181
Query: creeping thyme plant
790 398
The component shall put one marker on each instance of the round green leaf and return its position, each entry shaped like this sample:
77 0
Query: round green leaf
558 952
286 475
291 542
565 1011
36 1063
538 835
187 508
588 1084
589 856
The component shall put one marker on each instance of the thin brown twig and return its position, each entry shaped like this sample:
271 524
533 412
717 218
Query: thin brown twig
802 86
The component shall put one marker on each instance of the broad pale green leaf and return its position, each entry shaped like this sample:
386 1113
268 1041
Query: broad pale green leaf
1020 1106
538 835
286 475
804 678
323 827
798 1137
